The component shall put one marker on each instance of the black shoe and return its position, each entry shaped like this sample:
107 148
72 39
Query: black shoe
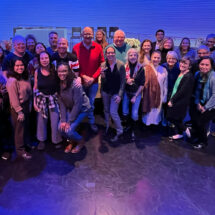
26 156
133 138
6 156
58 145
94 128
116 138
41 146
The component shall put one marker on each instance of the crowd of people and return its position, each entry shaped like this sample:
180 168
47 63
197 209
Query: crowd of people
157 84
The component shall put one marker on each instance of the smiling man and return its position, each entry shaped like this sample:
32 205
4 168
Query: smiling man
53 38
62 55
120 46
90 56
19 44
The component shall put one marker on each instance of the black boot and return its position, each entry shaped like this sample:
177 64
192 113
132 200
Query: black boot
126 123
134 128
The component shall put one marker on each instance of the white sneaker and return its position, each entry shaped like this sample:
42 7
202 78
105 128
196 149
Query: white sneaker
177 136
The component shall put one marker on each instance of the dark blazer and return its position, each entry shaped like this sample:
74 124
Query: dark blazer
153 46
181 99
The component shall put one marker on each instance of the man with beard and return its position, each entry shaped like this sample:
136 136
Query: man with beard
90 56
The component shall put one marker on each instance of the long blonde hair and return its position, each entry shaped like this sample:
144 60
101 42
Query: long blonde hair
103 43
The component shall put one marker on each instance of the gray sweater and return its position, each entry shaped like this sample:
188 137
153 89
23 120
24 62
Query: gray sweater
72 101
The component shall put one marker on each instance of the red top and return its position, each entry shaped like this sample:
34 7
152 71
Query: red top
89 60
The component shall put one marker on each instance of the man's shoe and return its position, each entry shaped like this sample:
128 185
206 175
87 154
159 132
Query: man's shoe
94 128
41 146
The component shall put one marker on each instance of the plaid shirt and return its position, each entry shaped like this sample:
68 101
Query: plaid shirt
45 102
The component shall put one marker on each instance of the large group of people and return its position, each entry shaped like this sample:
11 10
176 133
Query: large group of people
157 84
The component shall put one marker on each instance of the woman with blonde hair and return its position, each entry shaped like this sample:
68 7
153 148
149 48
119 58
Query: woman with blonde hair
166 45
135 79
101 38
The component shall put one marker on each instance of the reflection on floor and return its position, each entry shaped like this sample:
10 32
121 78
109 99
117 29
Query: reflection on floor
152 176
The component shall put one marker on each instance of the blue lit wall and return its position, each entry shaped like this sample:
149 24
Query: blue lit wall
179 18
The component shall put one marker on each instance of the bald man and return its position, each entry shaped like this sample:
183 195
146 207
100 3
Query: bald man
62 55
120 46
90 56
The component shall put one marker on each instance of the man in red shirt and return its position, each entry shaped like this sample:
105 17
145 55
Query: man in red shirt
90 56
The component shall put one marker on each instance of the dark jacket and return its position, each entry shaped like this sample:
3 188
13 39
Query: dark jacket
114 82
181 98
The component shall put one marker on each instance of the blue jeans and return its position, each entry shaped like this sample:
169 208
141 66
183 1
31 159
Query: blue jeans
111 109
72 133
91 94
42 126
135 106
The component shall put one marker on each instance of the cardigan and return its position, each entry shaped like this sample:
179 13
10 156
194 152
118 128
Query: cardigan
181 99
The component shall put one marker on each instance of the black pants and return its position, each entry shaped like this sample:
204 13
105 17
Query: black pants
179 126
21 134
200 123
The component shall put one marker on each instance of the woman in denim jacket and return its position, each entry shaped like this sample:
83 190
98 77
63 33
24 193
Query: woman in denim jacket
204 100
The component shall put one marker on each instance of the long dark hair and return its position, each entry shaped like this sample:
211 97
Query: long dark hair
51 66
180 46
12 73
71 76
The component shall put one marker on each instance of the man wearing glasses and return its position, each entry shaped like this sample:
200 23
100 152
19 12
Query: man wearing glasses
90 56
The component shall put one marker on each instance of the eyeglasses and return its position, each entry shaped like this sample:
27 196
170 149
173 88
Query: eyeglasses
202 53
110 53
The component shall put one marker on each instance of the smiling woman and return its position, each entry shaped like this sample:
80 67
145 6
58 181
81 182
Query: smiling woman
73 103
19 90
46 86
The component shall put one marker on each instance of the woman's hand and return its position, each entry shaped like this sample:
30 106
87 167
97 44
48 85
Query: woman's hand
133 100
200 108
35 106
130 81
117 99
21 117
77 82
170 104
64 126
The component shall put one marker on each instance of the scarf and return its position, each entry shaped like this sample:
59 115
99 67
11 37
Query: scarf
128 71
151 90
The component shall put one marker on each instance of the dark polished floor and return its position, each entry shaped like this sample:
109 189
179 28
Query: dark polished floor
149 177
